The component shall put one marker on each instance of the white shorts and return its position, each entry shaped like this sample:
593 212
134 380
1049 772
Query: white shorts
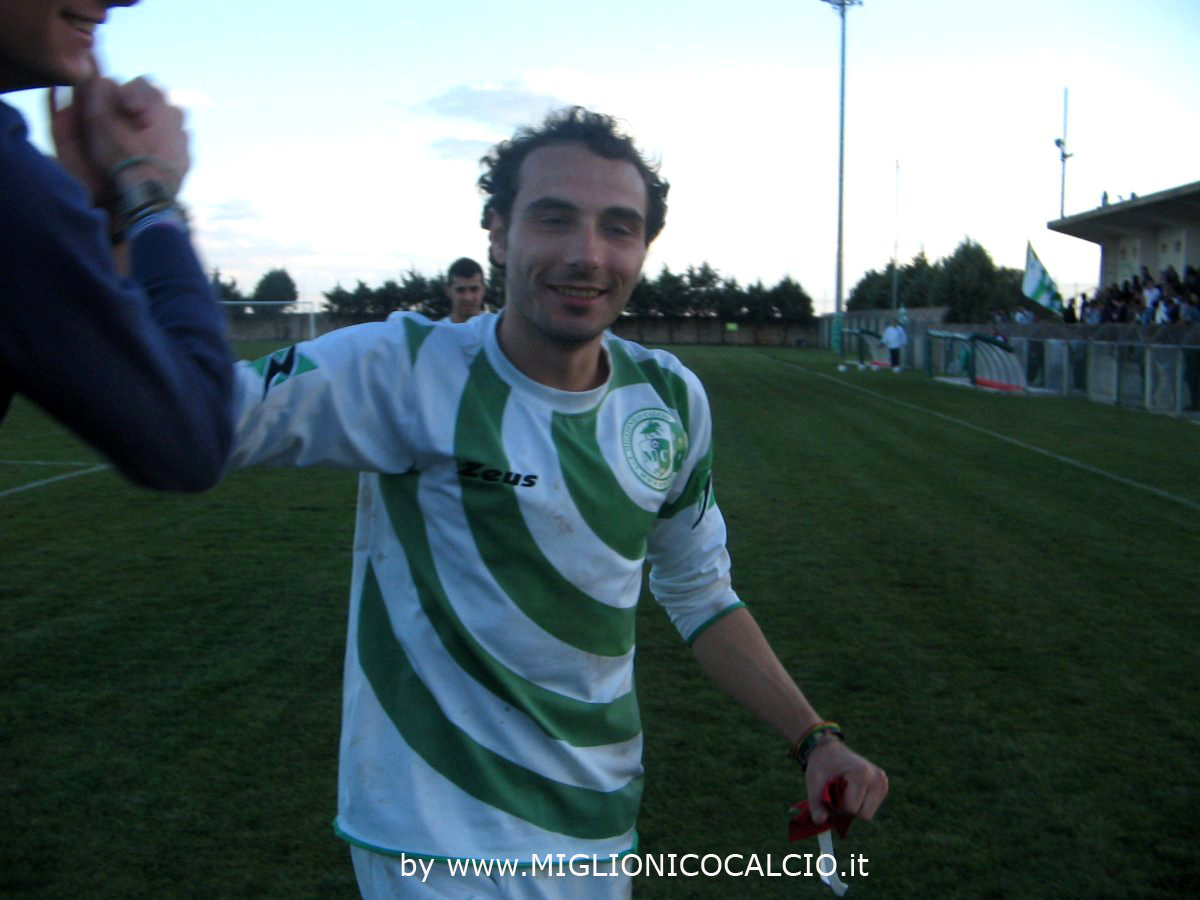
383 877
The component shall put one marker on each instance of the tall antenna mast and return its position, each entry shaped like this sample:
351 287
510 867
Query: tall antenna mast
1061 144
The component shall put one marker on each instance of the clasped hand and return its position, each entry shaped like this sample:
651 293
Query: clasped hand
106 125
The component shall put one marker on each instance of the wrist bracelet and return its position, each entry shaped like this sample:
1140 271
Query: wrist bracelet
137 200
157 162
818 734
142 194
173 215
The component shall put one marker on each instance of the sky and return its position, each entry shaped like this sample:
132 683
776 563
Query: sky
341 141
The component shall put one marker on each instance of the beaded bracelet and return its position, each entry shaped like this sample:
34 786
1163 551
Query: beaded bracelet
813 738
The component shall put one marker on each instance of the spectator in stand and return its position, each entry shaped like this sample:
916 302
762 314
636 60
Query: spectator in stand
1164 311
1151 294
1108 310
1189 314
1178 302
1143 314
1191 280
1069 315
1189 311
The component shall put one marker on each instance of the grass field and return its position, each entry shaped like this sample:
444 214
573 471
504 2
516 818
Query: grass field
996 597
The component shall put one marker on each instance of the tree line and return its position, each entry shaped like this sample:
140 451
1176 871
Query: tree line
276 288
698 291
968 282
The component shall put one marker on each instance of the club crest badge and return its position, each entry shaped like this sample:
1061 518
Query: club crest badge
655 446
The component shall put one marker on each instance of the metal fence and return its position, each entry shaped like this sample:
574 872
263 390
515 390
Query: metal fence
1153 369
1161 378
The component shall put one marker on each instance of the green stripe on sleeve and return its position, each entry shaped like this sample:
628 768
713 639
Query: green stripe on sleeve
415 333
713 621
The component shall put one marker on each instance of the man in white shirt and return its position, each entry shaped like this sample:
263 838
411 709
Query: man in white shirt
894 338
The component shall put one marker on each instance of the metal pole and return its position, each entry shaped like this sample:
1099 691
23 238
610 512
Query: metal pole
841 161
896 245
841 5
1061 144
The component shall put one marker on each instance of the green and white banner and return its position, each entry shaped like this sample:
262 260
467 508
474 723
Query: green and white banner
1037 284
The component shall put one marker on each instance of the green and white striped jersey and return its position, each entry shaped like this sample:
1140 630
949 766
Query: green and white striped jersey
489 709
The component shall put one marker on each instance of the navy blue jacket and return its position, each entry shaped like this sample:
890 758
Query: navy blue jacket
138 367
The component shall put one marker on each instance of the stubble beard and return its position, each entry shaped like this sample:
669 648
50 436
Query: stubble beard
569 333
563 332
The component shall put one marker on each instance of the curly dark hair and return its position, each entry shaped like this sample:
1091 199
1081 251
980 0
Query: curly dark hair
574 124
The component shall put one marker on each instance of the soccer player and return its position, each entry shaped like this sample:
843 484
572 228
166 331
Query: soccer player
465 289
519 471
140 368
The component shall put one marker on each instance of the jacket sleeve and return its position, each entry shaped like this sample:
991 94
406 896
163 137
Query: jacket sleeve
139 367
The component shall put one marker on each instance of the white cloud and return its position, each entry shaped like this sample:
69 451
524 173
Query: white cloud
460 148
236 210
506 105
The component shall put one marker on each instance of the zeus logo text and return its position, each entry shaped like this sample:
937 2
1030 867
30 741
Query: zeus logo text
470 469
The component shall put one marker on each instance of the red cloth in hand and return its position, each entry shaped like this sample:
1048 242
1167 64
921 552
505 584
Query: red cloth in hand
802 825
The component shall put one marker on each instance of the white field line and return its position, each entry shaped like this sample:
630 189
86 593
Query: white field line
1066 460
46 462
46 481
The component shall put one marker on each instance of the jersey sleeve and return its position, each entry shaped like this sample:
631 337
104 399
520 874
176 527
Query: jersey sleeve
689 562
139 367
340 400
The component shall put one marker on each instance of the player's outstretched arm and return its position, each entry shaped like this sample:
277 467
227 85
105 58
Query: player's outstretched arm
735 654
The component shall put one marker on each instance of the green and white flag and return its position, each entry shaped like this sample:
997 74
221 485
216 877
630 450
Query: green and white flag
1037 284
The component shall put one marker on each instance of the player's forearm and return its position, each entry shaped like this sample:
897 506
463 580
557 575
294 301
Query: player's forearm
736 655
141 375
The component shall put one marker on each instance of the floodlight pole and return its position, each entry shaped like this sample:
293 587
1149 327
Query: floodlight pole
840 6
896 245
1061 144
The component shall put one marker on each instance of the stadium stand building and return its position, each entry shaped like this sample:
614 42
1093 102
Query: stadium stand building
1155 231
